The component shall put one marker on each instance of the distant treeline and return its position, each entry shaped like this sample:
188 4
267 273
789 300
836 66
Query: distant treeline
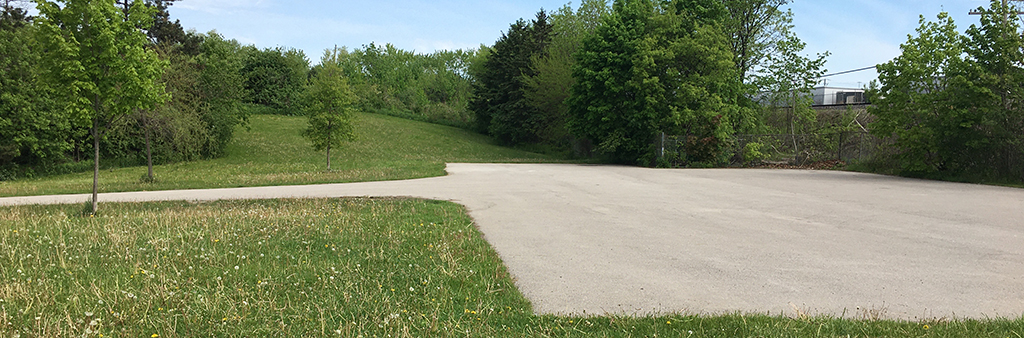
432 87
599 79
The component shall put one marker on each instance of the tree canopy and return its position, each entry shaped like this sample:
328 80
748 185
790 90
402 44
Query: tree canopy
99 56
657 67
330 106
499 96
950 103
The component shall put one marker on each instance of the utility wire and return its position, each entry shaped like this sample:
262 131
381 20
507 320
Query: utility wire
847 72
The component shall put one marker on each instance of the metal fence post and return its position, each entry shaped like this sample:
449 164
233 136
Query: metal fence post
662 144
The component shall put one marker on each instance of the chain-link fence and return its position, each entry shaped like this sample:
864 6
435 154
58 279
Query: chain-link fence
792 149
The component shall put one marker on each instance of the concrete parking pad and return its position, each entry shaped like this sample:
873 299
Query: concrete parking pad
623 240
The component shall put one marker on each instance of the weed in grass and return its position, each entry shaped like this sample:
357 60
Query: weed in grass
326 267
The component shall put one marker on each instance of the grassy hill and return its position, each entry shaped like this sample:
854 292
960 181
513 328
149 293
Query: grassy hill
272 152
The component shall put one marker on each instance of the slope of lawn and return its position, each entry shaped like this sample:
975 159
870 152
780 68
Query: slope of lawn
317 268
273 152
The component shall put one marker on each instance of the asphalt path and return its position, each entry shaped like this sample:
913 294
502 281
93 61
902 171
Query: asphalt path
633 241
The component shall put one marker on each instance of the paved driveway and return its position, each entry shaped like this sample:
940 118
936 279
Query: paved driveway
605 239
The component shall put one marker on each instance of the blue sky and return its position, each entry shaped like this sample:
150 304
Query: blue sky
858 33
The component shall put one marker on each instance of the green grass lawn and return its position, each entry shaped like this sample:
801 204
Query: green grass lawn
272 152
316 268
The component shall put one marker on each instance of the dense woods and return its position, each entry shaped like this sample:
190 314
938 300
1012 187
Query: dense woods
186 105
601 79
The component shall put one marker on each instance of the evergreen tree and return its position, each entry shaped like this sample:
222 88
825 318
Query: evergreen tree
499 100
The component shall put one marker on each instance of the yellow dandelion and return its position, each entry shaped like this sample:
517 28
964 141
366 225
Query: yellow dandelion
155 335
926 326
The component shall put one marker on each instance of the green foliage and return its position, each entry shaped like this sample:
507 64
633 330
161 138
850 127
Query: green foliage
658 68
275 78
752 153
170 34
96 55
222 89
272 151
997 48
547 89
199 120
786 86
499 95
755 27
177 132
33 130
329 106
951 102
42 134
426 87
99 58
789 81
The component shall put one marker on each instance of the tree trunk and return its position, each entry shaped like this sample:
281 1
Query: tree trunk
95 164
149 150
330 127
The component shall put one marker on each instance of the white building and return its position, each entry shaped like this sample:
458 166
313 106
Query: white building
823 97
834 96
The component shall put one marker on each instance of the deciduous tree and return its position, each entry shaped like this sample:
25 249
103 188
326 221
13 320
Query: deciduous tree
755 28
789 83
275 78
653 68
329 106
547 89
33 132
927 102
997 48
98 56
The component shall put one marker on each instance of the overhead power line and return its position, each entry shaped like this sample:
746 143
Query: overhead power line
848 72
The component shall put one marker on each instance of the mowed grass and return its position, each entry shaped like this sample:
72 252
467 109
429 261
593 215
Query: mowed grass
273 152
316 268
